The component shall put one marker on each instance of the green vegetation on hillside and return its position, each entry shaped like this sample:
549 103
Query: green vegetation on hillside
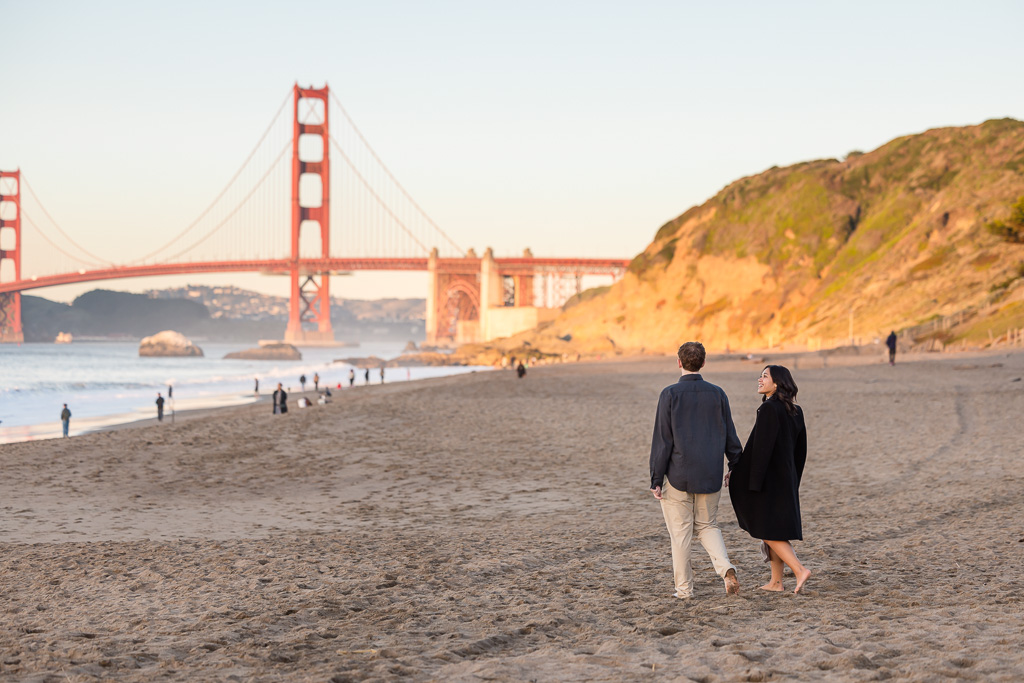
1012 229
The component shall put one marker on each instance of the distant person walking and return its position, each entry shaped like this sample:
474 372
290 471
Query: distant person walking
280 400
65 419
316 381
693 430
382 374
159 407
890 341
520 370
351 377
764 485
302 381
256 388
366 376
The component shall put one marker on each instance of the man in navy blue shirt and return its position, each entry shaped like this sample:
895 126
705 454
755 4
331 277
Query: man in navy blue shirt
692 431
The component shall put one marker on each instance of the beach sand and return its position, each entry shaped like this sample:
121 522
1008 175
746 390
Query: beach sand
488 528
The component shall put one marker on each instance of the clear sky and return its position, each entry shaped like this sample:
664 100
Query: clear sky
573 128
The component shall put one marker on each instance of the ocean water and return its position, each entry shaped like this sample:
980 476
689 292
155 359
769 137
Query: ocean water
106 383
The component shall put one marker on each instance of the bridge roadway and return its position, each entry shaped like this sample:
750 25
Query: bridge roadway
467 265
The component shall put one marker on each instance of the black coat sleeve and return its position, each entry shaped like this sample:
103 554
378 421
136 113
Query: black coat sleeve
800 449
662 442
762 444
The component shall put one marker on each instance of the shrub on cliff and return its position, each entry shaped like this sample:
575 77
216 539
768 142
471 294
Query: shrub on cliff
1012 229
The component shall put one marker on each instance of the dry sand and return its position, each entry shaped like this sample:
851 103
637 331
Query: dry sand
489 528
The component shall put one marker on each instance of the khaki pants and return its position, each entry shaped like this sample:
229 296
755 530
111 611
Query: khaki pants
686 513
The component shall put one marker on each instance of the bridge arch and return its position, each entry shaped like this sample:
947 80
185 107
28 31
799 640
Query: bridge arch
459 302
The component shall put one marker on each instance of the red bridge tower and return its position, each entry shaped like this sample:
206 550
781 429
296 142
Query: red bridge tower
10 303
310 293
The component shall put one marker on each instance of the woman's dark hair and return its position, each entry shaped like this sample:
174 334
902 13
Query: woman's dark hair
785 387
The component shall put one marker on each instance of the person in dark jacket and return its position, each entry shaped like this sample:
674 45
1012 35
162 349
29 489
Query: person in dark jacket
764 485
693 429
280 400
65 419
159 407
890 341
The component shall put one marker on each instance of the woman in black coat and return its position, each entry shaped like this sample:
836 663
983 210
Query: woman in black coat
764 485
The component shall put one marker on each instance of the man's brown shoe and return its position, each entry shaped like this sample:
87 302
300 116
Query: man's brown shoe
732 585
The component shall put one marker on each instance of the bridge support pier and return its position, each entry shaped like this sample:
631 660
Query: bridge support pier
431 314
10 302
477 299
310 300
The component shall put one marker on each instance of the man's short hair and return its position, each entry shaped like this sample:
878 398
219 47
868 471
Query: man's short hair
692 355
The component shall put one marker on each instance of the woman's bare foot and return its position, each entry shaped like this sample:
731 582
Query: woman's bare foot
773 587
801 579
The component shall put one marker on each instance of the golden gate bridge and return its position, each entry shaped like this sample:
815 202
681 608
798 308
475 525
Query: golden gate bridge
372 224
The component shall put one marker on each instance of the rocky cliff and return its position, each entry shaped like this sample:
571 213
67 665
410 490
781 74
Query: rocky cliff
920 229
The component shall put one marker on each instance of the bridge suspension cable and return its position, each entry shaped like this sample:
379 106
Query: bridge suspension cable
231 214
27 218
380 200
93 258
249 212
221 194
390 175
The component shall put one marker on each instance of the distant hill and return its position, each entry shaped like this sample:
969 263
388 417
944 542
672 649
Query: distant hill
927 226
243 304
103 313
215 313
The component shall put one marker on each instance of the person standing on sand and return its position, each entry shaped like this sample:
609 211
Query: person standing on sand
366 376
890 341
351 377
316 381
302 381
382 374
280 400
693 429
764 485
159 407
520 370
256 389
65 419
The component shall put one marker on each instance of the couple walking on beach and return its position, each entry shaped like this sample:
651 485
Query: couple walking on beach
692 431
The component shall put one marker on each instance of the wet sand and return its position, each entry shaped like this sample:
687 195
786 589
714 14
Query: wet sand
487 528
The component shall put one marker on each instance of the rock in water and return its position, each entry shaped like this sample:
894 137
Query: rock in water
277 351
168 343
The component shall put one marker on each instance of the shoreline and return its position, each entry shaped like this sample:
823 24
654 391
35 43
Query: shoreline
801 359
213 405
